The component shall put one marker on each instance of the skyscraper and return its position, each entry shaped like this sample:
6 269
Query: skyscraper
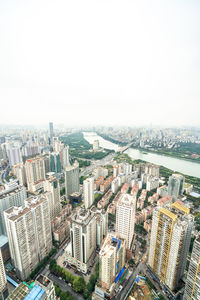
72 179
83 239
52 192
29 234
111 259
169 244
3 281
15 196
65 157
51 133
176 185
35 173
14 155
55 164
88 191
192 287
125 218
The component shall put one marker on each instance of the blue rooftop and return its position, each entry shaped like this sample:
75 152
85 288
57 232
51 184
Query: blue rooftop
35 294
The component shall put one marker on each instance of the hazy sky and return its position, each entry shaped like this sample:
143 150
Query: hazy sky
100 62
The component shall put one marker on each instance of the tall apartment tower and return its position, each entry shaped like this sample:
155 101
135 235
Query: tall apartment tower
15 196
3 281
169 243
65 157
125 218
176 185
29 234
51 133
72 179
52 192
88 191
111 259
192 287
55 163
19 172
35 172
83 239
14 155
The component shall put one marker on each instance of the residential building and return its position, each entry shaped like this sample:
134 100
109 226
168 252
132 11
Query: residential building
106 185
115 185
14 155
29 234
52 192
82 239
176 185
125 188
19 172
101 216
12 196
99 172
72 179
3 281
162 191
169 243
55 163
47 286
152 183
35 173
192 286
88 191
65 157
98 182
125 218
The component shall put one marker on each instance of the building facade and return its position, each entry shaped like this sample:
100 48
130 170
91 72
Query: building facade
88 191
72 179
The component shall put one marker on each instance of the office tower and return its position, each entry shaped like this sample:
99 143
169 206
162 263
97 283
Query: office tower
192 287
29 234
83 239
35 173
88 191
101 216
19 172
51 133
72 179
125 218
52 189
13 196
169 243
176 185
14 155
55 164
3 281
65 157
111 259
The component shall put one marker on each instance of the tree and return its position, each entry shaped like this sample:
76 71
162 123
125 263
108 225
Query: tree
63 296
79 284
57 290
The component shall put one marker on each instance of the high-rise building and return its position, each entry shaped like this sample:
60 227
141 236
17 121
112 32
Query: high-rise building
29 234
13 196
88 191
3 281
83 239
52 192
111 259
192 287
101 216
125 218
14 155
65 157
51 133
169 243
19 172
176 185
72 179
35 173
55 164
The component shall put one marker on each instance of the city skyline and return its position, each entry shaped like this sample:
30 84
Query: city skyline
100 63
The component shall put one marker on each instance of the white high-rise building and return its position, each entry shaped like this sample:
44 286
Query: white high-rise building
19 172
65 157
14 155
83 239
35 172
72 179
170 241
176 185
3 281
29 234
88 191
125 218
192 286
12 196
52 192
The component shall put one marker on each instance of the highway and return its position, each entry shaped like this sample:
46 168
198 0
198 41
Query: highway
64 286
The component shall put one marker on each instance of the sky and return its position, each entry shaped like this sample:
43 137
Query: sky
100 62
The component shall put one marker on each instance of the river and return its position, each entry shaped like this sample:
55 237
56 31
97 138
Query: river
175 164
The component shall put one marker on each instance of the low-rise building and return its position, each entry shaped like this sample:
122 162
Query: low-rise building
106 185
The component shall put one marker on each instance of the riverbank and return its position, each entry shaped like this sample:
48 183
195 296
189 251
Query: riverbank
171 154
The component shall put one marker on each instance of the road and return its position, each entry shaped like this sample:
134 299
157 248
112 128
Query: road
64 286
126 290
